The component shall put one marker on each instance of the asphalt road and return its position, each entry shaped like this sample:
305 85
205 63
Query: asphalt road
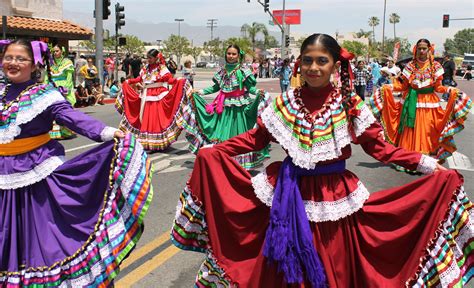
156 262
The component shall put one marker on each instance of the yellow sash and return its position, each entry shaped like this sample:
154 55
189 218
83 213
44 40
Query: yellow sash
20 146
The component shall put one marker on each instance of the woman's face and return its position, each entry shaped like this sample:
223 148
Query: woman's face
90 62
17 64
57 53
151 59
422 50
232 55
316 66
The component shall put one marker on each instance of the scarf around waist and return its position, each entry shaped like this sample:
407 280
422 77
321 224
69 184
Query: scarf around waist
408 117
289 240
23 145
218 103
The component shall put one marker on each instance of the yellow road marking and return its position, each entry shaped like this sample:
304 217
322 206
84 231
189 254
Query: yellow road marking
137 254
147 267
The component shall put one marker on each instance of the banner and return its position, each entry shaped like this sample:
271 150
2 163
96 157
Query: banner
292 17
396 49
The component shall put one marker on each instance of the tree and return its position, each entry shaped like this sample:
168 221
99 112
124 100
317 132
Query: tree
373 21
177 45
133 46
405 47
299 42
213 47
253 30
394 19
88 44
195 52
356 47
243 43
461 43
270 42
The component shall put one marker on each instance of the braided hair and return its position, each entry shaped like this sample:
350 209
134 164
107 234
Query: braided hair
334 49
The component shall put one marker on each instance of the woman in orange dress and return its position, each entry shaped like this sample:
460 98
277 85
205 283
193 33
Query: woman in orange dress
418 122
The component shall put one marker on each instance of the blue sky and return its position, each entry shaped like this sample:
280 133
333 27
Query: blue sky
419 18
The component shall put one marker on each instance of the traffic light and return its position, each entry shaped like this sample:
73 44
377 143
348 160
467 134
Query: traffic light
445 20
122 41
105 9
287 41
119 16
266 5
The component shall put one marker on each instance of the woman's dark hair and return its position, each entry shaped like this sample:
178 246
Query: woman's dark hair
430 59
152 53
424 41
46 58
334 49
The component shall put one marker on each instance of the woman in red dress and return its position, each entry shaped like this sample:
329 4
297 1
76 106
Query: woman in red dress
307 221
154 114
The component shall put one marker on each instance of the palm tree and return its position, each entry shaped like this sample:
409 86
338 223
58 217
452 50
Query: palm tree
373 21
253 30
394 19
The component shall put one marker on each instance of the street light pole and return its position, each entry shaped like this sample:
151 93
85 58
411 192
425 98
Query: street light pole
179 20
283 34
383 25
99 39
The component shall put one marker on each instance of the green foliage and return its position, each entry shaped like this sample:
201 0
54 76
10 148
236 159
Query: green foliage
243 43
195 52
373 21
355 47
134 45
462 42
405 47
88 44
251 31
394 18
176 45
214 47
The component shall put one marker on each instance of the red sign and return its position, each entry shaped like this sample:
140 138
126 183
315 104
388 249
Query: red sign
291 16
396 50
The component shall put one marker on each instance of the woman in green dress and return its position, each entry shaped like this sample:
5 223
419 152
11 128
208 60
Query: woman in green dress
62 72
231 113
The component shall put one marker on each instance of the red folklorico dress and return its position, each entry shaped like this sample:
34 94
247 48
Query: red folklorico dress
155 114
419 234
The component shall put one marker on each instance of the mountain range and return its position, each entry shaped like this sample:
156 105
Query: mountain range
161 31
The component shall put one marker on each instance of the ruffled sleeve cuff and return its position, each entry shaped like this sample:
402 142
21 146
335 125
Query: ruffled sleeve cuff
427 165
107 133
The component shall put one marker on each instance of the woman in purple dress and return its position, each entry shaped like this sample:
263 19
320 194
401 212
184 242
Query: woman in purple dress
62 223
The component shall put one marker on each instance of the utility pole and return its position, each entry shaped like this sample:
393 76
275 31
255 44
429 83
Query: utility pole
179 39
119 22
383 25
4 27
212 23
99 39
283 34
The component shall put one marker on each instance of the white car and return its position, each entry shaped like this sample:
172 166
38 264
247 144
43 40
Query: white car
212 65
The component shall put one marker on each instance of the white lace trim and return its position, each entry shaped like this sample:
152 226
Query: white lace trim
453 272
426 165
423 104
36 174
363 121
24 116
107 133
134 168
316 211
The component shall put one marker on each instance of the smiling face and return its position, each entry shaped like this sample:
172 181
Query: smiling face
317 65
232 55
422 50
18 64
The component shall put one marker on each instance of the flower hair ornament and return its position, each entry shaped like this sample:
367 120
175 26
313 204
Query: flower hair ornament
345 55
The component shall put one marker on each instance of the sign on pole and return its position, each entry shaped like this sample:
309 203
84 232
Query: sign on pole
292 17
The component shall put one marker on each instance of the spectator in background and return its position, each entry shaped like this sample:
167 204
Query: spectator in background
449 71
394 70
188 72
81 62
110 61
135 66
114 89
83 99
3 78
284 73
384 77
126 64
254 69
361 77
97 93
89 72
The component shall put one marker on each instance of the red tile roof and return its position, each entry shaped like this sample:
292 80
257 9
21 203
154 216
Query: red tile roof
46 27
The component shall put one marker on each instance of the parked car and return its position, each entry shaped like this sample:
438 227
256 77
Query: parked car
201 65
212 64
